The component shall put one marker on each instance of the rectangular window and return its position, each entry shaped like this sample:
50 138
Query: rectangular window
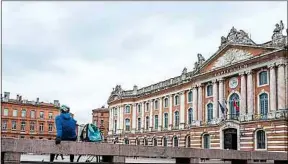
32 126
176 100
41 115
209 90
147 107
165 120
23 113
139 108
190 96
139 124
4 125
263 78
127 109
156 105
23 124
156 122
41 127
166 102
50 115
115 111
127 125
32 114
50 127
6 111
14 125
15 112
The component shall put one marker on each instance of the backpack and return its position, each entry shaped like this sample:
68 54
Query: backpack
91 133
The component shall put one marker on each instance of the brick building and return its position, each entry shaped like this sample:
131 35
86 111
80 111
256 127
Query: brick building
100 117
249 80
28 119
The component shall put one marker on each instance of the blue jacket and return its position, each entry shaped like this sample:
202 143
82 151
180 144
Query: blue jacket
65 126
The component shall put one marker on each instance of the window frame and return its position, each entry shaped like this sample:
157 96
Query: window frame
25 111
204 141
166 105
164 142
156 104
147 122
156 123
139 124
260 105
166 114
188 93
209 112
34 112
4 111
209 86
50 130
32 123
127 127
259 77
14 113
127 109
41 125
23 126
256 140
175 138
4 125
41 115
176 100
190 121
12 128
177 119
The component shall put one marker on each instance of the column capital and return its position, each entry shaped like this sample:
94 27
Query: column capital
280 64
271 65
221 80
181 92
243 73
214 81
199 85
249 72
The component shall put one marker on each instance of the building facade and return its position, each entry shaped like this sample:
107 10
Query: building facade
28 119
237 99
100 117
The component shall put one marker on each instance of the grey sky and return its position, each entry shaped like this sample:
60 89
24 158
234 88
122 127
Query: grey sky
77 52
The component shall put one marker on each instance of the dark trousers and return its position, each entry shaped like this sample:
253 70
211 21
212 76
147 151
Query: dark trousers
52 156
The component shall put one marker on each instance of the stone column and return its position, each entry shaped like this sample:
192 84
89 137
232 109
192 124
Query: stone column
160 114
118 119
134 111
250 93
110 121
221 96
281 86
182 110
195 101
151 115
142 116
272 87
200 102
243 104
121 118
170 112
215 99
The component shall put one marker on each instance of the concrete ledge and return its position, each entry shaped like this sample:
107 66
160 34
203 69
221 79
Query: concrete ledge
81 148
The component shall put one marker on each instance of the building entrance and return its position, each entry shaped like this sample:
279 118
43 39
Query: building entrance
230 139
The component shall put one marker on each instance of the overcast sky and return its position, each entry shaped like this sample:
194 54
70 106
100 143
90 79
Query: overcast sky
76 52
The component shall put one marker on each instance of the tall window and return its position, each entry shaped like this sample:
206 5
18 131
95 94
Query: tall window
263 78
127 124
187 141
209 112
155 141
23 124
147 122
263 105
32 126
156 104
261 139
190 96
137 141
115 126
176 117
126 141
164 141
50 115
156 122
115 111
166 102
139 108
23 113
41 115
147 107
4 124
139 123
15 112
127 109
209 90
165 120
190 116
32 114
50 127
145 141
41 127
206 141
14 125
176 100
175 141
234 106
5 112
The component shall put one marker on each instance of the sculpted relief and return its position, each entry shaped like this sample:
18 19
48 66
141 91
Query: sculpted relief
231 56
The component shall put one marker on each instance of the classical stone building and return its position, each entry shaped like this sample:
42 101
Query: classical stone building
236 99
28 119
100 117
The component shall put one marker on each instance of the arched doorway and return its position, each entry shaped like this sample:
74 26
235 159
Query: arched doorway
230 138
234 106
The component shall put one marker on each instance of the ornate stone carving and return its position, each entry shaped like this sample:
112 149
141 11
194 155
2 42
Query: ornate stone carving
232 56
238 37
278 39
199 63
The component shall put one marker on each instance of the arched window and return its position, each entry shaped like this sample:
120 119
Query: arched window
176 117
234 106
139 124
209 90
127 124
261 139
190 96
263 78
175 141
164 141
166 102
156 122
187 141
176 100
165 120
263 105
145 141
209 112
206 141
156 104
155 141
127 109
190 116
23 113
126 141
147 122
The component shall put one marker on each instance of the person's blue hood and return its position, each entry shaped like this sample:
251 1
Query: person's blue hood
66 116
